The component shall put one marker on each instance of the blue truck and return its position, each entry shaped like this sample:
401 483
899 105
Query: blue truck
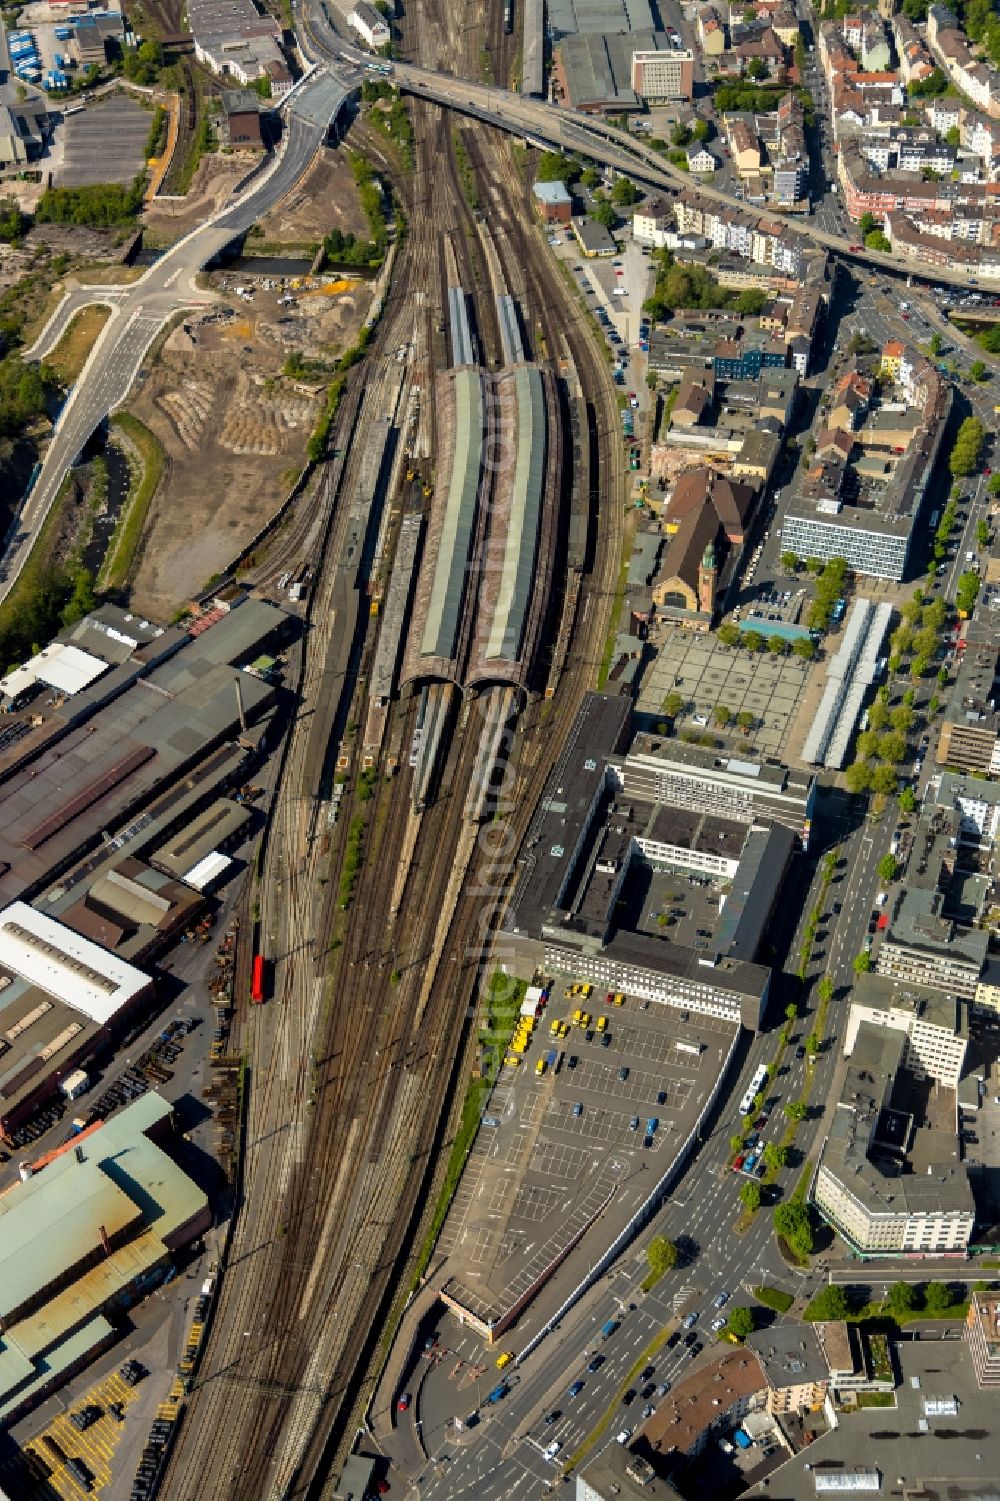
498 1392
608 1329
651 1125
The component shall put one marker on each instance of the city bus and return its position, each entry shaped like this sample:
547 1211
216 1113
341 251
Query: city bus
753 1090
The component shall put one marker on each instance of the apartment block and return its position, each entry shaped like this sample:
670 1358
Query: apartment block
982 1332
885 1184
933 1024
922 946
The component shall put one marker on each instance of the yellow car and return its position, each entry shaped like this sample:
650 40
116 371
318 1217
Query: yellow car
504 1359
619 998
585 1019
586 991
602 1024
563 1029
540 1067
512 1061
577 1016
554 1029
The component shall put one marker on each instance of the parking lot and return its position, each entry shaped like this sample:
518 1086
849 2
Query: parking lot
614 290
707 674
572 1144
105 143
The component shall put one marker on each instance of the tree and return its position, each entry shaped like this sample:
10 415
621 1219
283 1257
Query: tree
777 646
878 241
813 1044
746 719
937 1297
789 561
740 1322
673 704
968 447
735 1142
935 341
590 177
825 989
756 69
750 1195
858 777
662 1255
887 868
624 192
791 1012
908 800
792 1221
680 135
862 963
829 1306
967 592
604 213
795 1110
977 371
775 1156
994 484
878 716
701 130
902 1298
728 633
753 641
554 167
867 223
12 222
868 744
902 718
805 647
884 781
722 715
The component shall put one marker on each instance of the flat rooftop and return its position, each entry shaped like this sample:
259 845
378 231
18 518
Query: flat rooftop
117 743
920 1453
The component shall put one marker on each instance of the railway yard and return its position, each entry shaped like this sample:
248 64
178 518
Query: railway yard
367 1038
430 999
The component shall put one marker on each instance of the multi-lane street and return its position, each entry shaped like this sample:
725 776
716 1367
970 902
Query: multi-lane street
140 310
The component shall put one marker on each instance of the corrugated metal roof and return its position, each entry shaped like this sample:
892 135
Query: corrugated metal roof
65 965
451 568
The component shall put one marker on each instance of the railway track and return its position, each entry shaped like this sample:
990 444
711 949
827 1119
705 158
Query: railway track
353 1064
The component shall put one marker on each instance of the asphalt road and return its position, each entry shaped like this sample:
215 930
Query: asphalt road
141 310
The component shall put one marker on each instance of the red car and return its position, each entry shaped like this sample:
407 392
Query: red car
404 1402
987 471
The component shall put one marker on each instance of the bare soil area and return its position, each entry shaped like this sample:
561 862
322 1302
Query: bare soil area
167 219
325 199
234 429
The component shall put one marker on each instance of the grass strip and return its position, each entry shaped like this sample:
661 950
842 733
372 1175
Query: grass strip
125 539
616 610
70 354
502 997
774 1298
31 582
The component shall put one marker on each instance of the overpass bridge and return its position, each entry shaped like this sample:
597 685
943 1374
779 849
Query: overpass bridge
554 127
140 310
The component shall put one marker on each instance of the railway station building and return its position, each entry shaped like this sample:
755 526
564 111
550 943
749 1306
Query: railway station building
620 833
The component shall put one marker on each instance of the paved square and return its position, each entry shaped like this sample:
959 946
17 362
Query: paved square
706 673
